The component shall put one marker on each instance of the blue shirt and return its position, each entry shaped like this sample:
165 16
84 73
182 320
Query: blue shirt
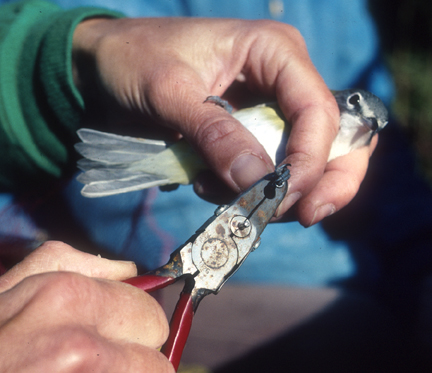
145 226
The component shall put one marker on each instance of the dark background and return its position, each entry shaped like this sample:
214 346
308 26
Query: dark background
405 27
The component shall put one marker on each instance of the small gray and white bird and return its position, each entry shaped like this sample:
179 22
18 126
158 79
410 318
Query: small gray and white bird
114 164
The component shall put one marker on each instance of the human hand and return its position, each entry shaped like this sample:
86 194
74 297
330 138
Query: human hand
163 69
56 321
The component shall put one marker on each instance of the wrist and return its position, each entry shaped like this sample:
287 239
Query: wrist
84 45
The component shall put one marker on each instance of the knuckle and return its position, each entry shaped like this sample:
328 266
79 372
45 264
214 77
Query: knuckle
275 27
296 37
80 350
159 81
323 110
289 34
211 132
305 165
51 248
167 79
169 92
66 291
221 140
330 106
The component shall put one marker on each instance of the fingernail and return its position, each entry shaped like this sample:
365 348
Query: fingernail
322 212
287 203
124 262
247 169
120 269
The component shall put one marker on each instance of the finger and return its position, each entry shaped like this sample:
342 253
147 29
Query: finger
230 150
88 353
305 101
314 115
76 348
337 187
58 256
227 147
308 149
117 311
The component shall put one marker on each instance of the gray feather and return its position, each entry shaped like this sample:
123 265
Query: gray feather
110 148
108 163
107 174
86 164
90 136
111 187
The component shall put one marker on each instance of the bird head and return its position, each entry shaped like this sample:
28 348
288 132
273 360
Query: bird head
361 109
362 115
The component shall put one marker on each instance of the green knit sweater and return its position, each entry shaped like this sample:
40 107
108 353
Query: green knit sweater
40 108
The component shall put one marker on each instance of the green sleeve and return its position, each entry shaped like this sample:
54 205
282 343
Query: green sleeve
40 108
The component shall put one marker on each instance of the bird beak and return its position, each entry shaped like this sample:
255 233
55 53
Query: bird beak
371 124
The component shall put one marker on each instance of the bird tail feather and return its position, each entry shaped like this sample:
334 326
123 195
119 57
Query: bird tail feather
112 164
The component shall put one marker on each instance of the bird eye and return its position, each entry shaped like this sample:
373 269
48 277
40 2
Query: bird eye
354 99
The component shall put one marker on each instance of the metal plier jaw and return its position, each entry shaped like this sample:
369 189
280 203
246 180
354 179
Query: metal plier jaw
215 252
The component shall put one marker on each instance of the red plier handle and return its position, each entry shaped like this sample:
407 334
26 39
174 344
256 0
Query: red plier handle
181 320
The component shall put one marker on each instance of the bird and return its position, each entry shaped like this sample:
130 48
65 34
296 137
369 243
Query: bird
114 164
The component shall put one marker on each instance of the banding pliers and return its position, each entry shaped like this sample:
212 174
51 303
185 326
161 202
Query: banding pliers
214 253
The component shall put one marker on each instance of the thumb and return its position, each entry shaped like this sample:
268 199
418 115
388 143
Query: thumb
53 256
228 148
